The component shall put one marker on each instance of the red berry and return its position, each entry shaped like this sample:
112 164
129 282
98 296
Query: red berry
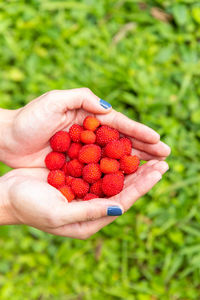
60 141
89 154
88 137
129 164
115 149
91 123
75 168
91 172
74 150
106 134
69 180
56 178
80 187
75 132
54 160
112 184
103 152
120 173
109 165
96 188
67 192
89 197
99 156
64 168
127 145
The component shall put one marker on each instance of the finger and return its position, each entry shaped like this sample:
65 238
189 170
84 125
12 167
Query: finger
86 210
78 98
81 230
130 127
145 156
141 185
160 166
140 170
158 149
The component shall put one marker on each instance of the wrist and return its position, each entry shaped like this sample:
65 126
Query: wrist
6 215
7 118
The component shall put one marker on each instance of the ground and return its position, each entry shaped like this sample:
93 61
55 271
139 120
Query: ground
142 57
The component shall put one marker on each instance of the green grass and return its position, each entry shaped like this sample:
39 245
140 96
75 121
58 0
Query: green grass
150 71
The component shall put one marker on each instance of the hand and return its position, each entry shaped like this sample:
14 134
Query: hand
28 199
26 141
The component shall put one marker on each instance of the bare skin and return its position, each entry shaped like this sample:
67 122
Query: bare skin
28 199
25 142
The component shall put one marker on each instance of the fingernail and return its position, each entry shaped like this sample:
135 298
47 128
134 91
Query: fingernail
105 104
114 211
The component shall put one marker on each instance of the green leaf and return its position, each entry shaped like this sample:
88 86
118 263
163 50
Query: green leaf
180 14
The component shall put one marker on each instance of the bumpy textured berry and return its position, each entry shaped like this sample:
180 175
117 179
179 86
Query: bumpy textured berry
74 150
75 132
91 123
67 192
129 164
91 172
112 184
127 145
69 180
64 168
89 197
60 141
109 165
114 149
88 137
80 187
103 152
75 168
56 178
96 188
89 154
55 160
106 134
96 162
120 173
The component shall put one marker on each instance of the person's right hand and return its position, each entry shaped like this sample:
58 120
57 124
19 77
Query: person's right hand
28 199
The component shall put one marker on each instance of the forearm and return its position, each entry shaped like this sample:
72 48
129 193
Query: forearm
6 126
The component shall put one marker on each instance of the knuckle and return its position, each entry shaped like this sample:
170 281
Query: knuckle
52 219
83 232
91 214
50 94
86 90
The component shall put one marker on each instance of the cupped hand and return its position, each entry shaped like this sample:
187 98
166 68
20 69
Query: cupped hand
27 141
30 200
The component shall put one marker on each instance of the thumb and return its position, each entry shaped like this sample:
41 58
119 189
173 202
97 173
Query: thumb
88 210
78 98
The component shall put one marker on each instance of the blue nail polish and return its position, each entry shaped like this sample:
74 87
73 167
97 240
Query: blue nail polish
105 104
114 211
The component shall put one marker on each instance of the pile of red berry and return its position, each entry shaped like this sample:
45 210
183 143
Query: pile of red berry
97 161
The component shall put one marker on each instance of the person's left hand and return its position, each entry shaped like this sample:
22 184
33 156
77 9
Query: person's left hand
26 142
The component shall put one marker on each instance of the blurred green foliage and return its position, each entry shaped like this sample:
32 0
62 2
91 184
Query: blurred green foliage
143 57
